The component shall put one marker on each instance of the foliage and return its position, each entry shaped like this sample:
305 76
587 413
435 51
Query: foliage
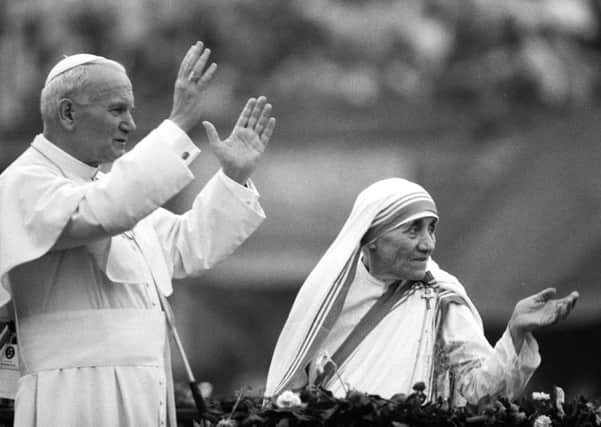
319 407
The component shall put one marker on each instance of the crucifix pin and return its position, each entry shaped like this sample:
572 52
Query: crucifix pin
427 296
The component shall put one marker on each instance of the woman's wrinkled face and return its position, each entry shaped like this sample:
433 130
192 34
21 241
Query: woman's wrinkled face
403 253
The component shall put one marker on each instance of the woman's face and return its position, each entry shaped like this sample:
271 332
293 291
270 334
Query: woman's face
403 253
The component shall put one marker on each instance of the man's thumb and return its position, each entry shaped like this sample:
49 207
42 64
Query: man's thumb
211 132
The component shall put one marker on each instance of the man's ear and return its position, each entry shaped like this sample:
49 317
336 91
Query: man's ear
65 114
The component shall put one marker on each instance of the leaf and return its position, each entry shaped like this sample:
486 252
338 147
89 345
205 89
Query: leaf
253 419
326 414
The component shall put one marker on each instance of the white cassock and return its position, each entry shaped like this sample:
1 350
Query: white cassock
432 333
93 343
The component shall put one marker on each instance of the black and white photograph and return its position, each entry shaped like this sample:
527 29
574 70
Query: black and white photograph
296 213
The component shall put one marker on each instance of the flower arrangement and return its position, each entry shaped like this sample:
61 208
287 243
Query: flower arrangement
316 406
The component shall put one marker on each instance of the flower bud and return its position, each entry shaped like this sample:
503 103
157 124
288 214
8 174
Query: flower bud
288 399
542 421
227 423
540 396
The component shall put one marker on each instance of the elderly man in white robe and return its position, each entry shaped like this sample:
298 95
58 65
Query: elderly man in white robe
378 315
87 256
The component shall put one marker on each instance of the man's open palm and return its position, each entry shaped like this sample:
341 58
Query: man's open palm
238 154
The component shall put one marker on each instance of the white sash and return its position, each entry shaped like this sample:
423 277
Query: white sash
87 338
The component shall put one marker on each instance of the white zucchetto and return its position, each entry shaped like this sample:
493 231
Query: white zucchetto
76 60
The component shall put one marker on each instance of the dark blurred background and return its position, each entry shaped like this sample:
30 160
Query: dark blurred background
492 106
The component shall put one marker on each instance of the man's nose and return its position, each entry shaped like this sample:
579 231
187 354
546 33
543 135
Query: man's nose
128 124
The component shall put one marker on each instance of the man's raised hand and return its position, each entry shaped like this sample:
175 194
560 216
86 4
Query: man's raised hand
192 79
239 153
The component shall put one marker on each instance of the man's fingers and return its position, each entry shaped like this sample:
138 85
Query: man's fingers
189 60
254 117
245 114
265 114
266 136
212 133
197 70
208 75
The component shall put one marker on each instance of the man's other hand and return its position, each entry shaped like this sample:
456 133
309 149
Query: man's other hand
238 154
192 80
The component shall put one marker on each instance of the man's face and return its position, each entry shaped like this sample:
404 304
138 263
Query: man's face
102 115
402 253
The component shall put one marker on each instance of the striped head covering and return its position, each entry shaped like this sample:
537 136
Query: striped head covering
381 207
415 203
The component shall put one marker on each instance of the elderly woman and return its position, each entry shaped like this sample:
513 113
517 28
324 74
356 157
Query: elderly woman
377 314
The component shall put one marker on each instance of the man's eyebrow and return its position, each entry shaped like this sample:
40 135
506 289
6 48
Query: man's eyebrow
121 103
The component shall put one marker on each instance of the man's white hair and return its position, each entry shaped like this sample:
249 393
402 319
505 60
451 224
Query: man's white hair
66 79
68 84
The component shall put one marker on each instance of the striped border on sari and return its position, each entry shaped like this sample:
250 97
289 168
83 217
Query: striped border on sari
331 306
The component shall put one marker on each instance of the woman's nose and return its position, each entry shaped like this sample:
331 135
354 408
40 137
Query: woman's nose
427 242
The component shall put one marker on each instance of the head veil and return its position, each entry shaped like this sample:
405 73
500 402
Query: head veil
380 207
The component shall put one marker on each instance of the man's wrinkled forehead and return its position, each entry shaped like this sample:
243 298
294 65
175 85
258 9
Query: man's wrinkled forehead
106 82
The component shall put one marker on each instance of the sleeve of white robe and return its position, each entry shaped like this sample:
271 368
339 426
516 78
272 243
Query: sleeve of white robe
222 216
481 370
138 183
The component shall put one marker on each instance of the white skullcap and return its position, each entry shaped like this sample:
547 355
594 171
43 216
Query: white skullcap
76 60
